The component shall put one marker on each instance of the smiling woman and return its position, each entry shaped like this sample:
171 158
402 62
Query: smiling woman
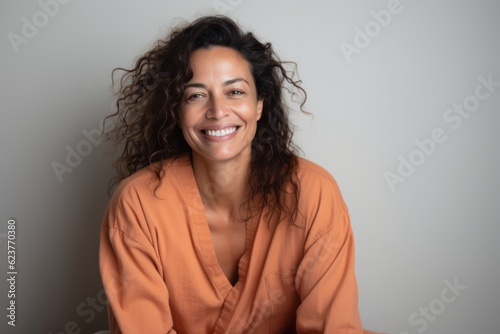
209 227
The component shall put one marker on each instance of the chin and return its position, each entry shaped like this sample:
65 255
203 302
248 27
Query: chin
223 156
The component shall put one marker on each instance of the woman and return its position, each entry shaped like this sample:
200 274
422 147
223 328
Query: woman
216 225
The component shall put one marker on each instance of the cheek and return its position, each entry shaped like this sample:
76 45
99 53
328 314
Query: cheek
249 112
185 121
252 126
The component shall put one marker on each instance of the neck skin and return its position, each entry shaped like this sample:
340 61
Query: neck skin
223 185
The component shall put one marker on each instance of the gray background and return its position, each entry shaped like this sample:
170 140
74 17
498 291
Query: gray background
440 224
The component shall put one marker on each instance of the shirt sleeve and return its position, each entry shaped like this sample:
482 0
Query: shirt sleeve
131 272
325 279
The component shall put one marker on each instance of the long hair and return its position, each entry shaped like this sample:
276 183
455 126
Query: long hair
149 97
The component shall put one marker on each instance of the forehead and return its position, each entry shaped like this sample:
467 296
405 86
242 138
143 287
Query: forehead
219 59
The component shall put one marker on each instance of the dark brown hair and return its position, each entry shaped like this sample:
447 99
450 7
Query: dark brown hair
149 98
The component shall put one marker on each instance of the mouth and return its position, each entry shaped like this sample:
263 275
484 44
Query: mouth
220 132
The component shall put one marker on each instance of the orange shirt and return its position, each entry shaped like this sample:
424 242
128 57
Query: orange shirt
161 275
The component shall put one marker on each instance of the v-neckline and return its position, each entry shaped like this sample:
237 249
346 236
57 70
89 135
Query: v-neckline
202 238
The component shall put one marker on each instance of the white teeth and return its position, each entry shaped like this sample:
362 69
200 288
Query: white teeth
220 133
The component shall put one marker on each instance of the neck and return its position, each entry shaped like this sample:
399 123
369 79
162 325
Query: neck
223 185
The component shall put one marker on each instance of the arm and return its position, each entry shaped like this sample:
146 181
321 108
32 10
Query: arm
327 285
132 274
325 279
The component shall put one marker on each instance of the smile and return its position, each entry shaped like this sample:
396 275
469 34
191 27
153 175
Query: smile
220 133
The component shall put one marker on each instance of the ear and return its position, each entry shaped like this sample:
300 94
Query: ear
260 107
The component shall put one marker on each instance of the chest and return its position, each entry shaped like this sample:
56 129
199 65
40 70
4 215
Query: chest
229 242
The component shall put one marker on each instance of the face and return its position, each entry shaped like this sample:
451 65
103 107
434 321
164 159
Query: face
220 108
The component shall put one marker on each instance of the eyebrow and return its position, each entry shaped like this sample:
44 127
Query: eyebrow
225 83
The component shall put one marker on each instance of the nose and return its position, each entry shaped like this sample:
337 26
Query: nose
217 108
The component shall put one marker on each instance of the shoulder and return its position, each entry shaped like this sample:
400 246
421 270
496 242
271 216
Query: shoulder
137 208
143 190
311 170
313 177
319 190
145 183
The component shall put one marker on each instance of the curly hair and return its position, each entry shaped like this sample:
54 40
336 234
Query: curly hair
149 98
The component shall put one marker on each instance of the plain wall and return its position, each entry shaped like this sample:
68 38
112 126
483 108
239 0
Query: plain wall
419 176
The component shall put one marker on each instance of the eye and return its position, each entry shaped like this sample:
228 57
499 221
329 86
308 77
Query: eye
236 92
194 96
